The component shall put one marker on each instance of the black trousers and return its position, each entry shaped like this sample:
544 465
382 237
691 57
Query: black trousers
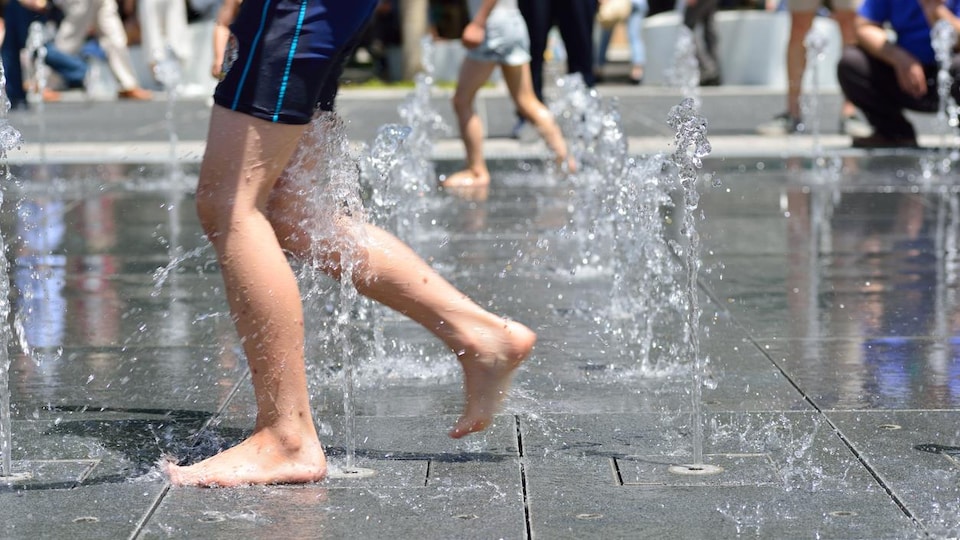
872 86
702 14
574 19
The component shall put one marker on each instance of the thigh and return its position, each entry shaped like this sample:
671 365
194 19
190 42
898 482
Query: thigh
243 159
78 17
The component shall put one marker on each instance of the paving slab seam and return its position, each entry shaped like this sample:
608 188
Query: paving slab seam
846 442
524 492
151 510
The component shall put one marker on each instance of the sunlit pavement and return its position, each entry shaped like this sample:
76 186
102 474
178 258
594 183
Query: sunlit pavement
830 316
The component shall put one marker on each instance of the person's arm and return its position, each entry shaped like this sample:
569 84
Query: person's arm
873 38
221 34
936 11
38 6
475 31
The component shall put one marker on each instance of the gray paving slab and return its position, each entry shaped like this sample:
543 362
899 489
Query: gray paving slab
914 453
114 510
577 489
828 320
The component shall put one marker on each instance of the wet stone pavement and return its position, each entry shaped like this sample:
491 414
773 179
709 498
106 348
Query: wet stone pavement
830 321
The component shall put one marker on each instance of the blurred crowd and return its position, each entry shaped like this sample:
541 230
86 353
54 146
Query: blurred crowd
67 38
878 82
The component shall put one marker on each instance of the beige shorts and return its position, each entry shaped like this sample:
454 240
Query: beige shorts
814 5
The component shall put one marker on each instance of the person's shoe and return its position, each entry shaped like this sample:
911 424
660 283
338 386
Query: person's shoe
782 124
713 80
855 126
517 128
524 132
136 94
882 141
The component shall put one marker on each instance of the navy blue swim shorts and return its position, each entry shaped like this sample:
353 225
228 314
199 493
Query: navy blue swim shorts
284 56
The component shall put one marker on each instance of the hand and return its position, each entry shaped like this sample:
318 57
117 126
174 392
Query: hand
34 5
473 35
911 77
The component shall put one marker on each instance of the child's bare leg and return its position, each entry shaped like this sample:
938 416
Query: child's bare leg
243 158
473 75
520 84
489 347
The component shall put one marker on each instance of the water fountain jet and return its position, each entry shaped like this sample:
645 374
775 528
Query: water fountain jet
9 140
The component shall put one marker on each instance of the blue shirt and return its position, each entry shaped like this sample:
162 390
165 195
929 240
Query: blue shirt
906 18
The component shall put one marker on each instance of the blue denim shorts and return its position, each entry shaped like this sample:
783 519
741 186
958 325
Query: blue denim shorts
506 41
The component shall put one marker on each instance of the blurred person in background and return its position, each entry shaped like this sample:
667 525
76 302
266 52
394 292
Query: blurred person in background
102 18
883 78
638 51
802 14
574 19
700 13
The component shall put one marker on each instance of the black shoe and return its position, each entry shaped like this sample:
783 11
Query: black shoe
882 141
711 81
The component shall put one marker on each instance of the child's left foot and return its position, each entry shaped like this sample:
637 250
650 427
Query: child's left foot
487 373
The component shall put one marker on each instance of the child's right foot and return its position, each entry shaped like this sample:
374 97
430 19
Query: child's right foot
466 178
261 459
487 373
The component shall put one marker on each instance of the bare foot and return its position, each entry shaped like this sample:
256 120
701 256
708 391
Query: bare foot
567 164
469 193
487 372
262 459
466 178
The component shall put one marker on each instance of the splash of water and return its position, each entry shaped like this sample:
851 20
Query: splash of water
685 73
397 172
943 36
417 174
9 139
597 143
692 147
325 179
815 43
167 71
36 50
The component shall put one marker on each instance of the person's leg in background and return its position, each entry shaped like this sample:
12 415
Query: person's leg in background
574 19
603 44
872 86
790 121
707 55
638 49
71 68
17 19
538 15
700 13
845 14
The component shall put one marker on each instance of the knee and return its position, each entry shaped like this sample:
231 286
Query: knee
461 103
211 210
847 65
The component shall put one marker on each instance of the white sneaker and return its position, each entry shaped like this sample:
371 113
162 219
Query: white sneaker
782 124
854 126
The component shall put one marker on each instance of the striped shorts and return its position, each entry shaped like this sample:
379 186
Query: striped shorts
284 57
